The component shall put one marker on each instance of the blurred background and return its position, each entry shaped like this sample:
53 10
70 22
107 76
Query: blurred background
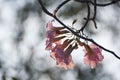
22 41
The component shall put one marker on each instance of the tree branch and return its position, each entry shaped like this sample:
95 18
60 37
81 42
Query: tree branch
95 12
87 19
44 9
59 6
100 5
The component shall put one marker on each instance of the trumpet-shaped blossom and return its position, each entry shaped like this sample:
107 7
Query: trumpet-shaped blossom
59 55
93 55
57 51
51 33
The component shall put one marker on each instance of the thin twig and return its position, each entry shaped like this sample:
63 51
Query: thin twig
44 9
107 4
87 19
59 6
100 5
95 12
95 9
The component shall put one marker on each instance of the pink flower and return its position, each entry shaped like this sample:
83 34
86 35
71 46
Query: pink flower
58 54
93 55
51 33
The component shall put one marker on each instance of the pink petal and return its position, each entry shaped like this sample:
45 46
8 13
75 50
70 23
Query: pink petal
49 26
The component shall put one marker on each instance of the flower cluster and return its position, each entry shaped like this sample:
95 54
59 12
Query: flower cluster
92 55
60 42
58 51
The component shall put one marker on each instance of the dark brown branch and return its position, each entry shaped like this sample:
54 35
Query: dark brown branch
44 9
95 12
87 20
100 5
90 40
95 9
104 48
95 24
59 6
107 4
88 17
